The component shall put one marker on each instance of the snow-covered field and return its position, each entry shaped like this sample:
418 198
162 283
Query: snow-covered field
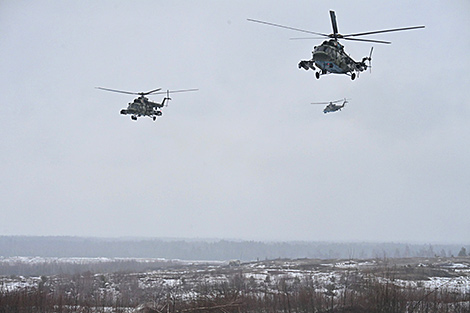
189 279
453 273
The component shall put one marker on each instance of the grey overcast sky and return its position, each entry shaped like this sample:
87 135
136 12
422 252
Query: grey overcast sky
247 156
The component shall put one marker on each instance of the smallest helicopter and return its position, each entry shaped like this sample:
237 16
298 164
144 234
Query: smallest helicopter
142 106
332 106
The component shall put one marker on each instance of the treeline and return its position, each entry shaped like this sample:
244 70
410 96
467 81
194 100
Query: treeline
239 294
211 250
57 267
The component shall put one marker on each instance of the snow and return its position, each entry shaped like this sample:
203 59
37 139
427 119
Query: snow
187 277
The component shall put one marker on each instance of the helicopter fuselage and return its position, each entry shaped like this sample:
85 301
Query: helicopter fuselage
332 108
142 106
330 57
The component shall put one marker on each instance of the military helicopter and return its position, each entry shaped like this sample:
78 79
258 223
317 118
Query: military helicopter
142 106
332 106
330 57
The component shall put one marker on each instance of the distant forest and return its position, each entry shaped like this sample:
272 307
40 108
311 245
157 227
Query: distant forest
214 250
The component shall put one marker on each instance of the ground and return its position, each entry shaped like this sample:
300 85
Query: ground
334 284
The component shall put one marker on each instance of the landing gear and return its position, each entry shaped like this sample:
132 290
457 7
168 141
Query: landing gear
317 75
353 76
154 118
133 117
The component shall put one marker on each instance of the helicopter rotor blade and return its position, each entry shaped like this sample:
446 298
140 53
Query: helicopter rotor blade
149 92
329 102
383 31
334 25
368 40
120 91
341 100
304 38
174 91
287 27
130 92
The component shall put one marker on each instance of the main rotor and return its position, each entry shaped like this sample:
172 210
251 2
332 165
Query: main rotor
344 100
130 92
336 35
151 92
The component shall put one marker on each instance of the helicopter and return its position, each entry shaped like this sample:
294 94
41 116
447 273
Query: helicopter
142 106
330 57
332 106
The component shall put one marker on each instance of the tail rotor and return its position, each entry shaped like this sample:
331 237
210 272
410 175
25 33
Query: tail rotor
370 59
167 96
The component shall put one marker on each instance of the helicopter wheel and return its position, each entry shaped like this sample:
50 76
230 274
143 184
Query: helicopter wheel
134 118
317 75
154 118
353 76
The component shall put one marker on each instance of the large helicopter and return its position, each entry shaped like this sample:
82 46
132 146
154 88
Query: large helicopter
142 106
332 106
330 57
